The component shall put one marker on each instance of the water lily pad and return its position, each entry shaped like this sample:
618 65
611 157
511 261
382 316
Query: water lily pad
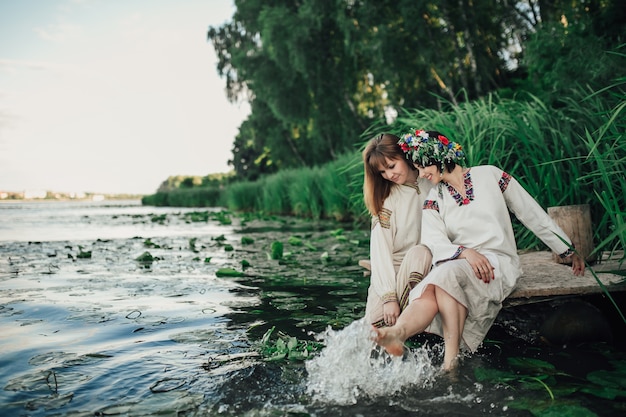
228 272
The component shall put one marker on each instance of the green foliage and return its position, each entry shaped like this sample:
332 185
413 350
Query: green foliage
245 240
330 191
276 250
286 347
562 58
146 259
526 373
150 244
83 254
228 272
185 197
273 192
318 73
300 76
341 185
294 241
160 218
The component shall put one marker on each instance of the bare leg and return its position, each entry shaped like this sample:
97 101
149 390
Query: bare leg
414 319
453 316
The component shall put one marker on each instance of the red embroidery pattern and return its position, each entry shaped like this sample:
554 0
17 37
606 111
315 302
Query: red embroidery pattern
431 205
504 181
469 191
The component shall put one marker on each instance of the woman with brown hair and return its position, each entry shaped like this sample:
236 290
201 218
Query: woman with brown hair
394 196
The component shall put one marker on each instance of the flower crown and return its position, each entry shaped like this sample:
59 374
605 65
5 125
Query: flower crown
424 149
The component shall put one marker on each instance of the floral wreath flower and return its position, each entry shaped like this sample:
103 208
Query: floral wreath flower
424 149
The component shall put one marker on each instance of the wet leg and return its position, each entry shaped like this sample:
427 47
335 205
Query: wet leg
453 316
413 320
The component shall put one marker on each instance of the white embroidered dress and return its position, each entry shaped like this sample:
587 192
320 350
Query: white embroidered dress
395 232
483 224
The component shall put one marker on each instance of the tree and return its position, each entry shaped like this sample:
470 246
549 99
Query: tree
318 73
286 58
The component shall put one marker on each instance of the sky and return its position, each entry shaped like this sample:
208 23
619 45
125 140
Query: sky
111 96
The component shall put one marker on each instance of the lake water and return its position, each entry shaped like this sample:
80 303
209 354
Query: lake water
92 325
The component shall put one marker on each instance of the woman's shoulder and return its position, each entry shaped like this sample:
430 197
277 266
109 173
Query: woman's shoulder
401 193
486 170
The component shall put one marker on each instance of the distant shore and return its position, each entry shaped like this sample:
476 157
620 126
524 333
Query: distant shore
59 196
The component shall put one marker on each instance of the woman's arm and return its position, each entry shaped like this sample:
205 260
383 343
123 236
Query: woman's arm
537 220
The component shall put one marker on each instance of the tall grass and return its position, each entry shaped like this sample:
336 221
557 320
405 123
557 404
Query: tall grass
185 197
606 162
316 193
342 188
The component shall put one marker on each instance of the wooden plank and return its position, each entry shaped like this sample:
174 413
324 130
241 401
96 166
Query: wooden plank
543 279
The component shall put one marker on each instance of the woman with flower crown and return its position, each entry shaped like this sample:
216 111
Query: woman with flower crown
394 196
467 227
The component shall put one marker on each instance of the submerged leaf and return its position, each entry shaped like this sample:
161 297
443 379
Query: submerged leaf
494 375
532 365
613 379
610 393
294 241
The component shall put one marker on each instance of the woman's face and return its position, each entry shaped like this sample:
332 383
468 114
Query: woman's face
430 173
396 171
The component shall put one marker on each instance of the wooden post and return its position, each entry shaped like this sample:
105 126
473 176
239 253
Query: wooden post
576 223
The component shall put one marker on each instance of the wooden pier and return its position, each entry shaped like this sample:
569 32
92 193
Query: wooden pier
544 279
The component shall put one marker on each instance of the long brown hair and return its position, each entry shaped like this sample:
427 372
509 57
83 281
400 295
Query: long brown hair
375 188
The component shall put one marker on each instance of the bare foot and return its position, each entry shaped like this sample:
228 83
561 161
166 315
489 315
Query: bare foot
388 338
450 364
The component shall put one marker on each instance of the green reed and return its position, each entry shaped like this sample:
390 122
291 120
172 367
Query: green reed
606 162
185 197
241 196
273 190
305 193
341 184
318 192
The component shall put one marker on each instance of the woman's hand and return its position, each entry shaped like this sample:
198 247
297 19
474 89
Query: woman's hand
391 311
578 265
479 263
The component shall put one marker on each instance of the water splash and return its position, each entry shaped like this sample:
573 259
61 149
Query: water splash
351 366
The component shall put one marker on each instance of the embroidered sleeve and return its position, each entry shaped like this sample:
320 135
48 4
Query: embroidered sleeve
454 256
567 253
384 217
431 205
390 296
504 181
